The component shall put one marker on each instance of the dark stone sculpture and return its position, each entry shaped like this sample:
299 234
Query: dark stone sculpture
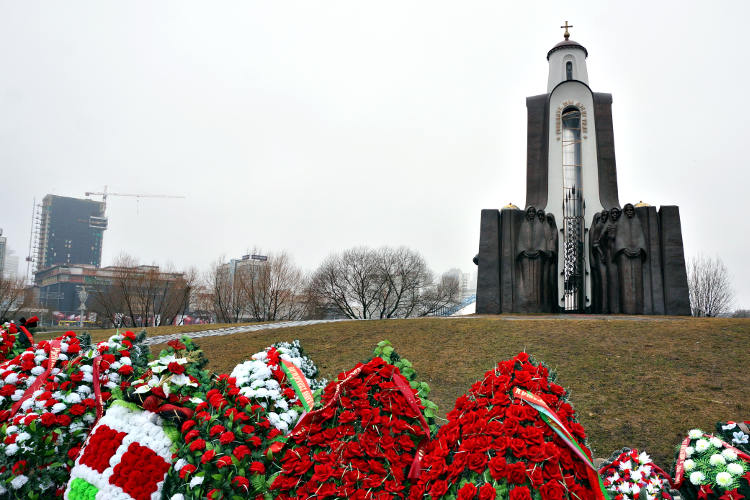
530 257
599 257
613 282
629 254
618 251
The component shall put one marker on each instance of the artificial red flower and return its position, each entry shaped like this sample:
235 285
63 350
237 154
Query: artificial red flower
176 368
198 444
207 456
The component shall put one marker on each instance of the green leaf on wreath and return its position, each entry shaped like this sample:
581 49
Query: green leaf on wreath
487 476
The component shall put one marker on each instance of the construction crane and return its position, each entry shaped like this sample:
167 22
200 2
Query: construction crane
106 193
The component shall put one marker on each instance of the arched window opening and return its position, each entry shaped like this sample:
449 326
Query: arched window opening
573 228
568 70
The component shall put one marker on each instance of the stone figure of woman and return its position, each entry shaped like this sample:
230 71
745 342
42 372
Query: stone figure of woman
530 246
629 254
598 256
613 281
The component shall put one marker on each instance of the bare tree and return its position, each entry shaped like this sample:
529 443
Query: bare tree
365 283
223 296
13 297
710 287
273 289
136 295
445 293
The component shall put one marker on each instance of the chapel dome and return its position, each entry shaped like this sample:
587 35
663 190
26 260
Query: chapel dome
567 44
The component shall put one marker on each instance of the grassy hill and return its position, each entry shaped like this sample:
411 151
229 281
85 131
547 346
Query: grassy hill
640 382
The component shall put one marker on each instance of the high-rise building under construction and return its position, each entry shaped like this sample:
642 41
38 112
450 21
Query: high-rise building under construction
70 232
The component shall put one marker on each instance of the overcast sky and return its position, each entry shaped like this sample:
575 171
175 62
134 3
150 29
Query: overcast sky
316 126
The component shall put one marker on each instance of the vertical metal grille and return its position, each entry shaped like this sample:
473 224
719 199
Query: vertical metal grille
573 228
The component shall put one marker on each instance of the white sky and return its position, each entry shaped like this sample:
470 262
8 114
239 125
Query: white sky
317 126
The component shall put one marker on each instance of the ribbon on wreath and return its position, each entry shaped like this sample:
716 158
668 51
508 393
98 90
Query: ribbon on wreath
97 389
555 423
299 383
679 468
416 465
54 355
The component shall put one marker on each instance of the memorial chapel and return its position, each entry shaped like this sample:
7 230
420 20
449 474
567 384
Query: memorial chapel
574 247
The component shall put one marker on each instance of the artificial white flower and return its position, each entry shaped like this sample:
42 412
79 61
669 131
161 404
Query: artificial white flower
729 455
689 465
19 481
739 437
11 449
702 445
735 468
24 436
724 479
645 470
695 434
697 477
716 442
11 429
644 458
37 370
636 476
717 459
58 407
142 389
177 496
729 426
182 379
196 481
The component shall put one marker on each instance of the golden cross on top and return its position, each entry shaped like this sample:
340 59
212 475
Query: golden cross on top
566 34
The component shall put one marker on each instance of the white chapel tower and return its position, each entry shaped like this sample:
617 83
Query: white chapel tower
573 248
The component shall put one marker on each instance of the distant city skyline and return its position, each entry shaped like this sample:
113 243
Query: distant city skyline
312 128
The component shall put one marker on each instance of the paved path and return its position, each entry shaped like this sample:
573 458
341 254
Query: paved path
219 332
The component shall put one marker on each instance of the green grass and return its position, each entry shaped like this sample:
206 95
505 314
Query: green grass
640 383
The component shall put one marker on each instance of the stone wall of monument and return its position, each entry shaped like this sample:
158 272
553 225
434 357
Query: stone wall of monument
636 258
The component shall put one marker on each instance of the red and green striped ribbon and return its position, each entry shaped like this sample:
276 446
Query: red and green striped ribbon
551 419
299 383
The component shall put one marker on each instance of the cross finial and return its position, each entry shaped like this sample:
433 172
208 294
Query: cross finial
567 33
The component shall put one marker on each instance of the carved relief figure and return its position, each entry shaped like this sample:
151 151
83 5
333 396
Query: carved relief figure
598 244
629 254
530 248
550 276
613 282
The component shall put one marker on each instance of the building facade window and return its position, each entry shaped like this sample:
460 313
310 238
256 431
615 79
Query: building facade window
568 70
